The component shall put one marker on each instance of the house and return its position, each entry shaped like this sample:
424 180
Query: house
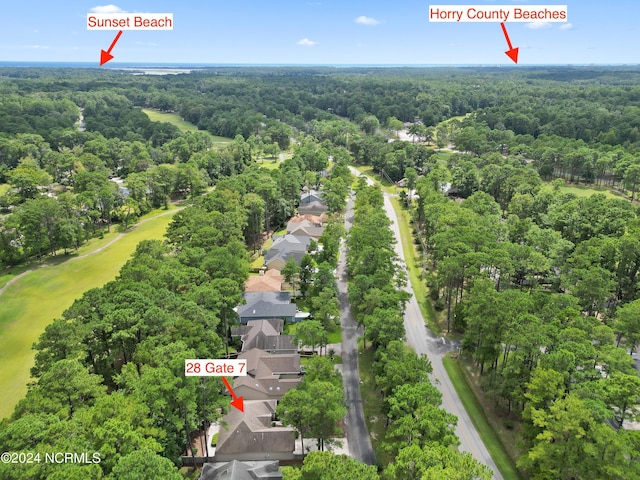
313 208
307 225
254 435
269 376
310 196
267 305
269 281
235 470
285 247
265 335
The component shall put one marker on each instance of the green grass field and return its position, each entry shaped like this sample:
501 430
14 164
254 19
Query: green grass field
581 191
268 163
30 304
479 418
174 119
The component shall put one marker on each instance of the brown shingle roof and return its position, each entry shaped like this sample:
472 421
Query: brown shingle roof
251 431
264 283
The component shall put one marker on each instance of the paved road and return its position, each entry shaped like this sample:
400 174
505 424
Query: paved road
357 433
424 341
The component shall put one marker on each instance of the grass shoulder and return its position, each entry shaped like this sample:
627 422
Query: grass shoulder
499 440
414 268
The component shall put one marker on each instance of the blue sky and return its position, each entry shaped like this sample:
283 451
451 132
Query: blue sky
318 32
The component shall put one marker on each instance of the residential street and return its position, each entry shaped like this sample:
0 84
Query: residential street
357 433
424 341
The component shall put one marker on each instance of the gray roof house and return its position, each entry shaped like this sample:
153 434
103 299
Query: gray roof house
306 225
265 335
235 470
285 247
267 305
314 208
269 376
310 196
254 435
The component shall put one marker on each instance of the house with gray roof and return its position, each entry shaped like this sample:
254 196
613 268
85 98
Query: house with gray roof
269 376
255 435
310 196
267 306
265 335
313 208
285 247
235 470
306 225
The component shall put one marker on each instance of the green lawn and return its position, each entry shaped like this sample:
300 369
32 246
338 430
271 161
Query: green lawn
386 186
175 119
581 191
268 163
478 416
257 260
332 337
30 304
335 336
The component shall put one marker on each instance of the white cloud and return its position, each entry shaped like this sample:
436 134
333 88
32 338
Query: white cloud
305 42
369 21
538 25
566 26
111 8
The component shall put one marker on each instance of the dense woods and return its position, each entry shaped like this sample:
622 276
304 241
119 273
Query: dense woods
538 282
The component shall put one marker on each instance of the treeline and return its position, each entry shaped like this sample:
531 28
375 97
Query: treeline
62 198
543 287
420 435
109 375
554 156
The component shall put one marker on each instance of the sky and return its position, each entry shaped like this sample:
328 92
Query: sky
317 32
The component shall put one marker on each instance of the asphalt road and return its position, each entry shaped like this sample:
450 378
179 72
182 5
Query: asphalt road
424 341
357 433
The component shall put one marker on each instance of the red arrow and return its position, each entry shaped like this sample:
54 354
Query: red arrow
106 56
237 402
512 53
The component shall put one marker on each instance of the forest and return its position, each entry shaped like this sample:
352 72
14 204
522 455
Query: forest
538 283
